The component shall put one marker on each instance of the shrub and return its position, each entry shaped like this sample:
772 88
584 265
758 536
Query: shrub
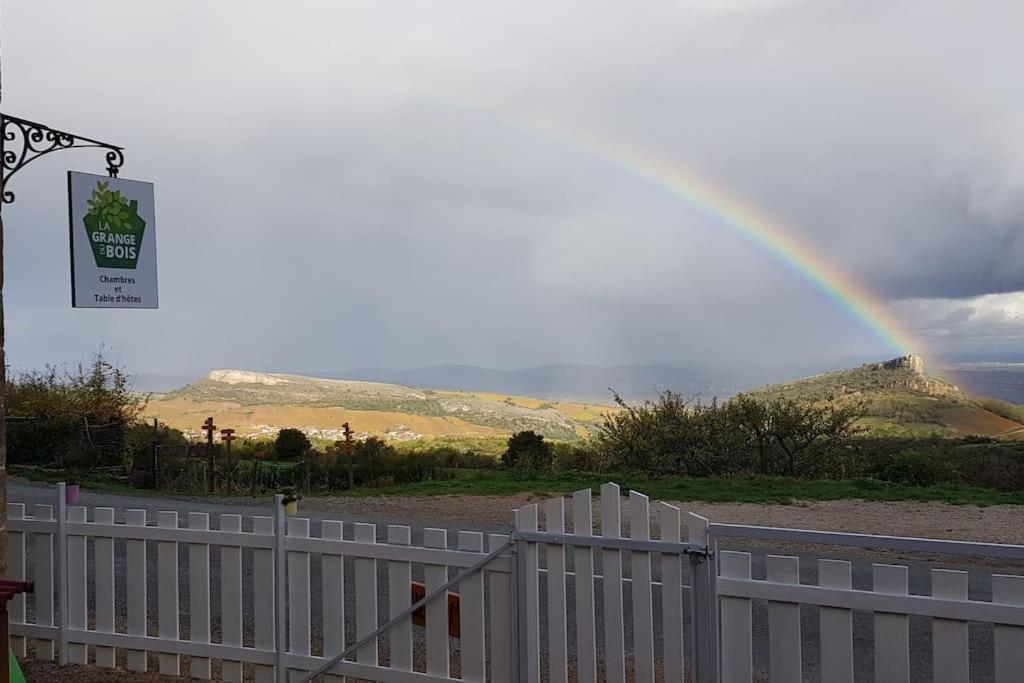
291 444
527 451
569 457
918 467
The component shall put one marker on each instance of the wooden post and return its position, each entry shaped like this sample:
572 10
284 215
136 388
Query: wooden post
347 431
209 428
156 446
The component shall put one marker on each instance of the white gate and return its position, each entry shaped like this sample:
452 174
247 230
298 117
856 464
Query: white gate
610 599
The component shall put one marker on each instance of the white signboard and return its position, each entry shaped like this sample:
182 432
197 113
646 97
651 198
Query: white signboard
113 242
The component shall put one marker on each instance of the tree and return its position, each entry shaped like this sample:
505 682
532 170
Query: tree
809 434
291 444
527 451
753 417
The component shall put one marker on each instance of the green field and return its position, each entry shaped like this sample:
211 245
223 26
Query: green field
777 490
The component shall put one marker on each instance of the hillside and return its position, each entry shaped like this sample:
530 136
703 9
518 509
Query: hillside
257 403
899 397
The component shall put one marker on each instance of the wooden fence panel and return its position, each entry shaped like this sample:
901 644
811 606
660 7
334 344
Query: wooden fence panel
950 643
332 575
366 594
784 622
231 597
671 595
138 609
502 629
614 629
16 572
892 631
643 608
43 579
263 592
737 643
554 520
583 568
471 613
199 594
103 548
298 593
836 630
1009 640
78 590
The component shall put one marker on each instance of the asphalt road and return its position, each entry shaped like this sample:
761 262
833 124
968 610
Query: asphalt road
920 630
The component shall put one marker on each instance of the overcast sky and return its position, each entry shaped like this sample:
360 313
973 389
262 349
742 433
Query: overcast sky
345 185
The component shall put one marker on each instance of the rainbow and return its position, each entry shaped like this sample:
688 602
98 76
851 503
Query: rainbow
745 221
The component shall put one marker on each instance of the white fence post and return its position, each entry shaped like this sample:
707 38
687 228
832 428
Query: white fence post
399 599
892 631
703 601
611 569
103 555
671 595
199 594
332 571
502 628
43 579
950 641
471 613
435 576
643 603
784 623
135 557
298 594
583 565
77 587
62 572
1009 640
167 593
280 588
554 521
231 597
264 610
836 630
16 572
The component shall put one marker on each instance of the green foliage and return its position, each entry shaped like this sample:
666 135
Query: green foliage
745 435
527 450
108 206
919 467
291 444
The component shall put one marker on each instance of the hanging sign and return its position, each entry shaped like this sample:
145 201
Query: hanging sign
113 242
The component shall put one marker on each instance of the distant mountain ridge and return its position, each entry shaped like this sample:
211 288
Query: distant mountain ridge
562 382
898 396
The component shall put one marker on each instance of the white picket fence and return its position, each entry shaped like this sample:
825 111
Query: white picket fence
589 604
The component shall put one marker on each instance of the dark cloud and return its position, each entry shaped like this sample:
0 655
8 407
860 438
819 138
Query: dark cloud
363 185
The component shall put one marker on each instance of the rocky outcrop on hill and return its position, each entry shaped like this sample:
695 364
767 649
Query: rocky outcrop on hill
913 376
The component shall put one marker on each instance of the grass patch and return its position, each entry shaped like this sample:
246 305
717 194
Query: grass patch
775 490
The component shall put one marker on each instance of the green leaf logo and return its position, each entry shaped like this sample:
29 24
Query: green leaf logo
114 228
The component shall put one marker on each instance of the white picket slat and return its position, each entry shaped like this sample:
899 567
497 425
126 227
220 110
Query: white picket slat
366 594
836 630
526 520
671 595
892 631
501 618
784 622
583 568
298 593
435 576
78 590
554 520
199 594
643 607
42 577
263 604
737 639
135 587
399 600
103 550
614 629
1008 640
167 592
950 638
16 572
231 597
332 574
471 613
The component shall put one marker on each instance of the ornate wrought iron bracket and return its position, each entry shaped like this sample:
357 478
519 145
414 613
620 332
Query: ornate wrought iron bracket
25 141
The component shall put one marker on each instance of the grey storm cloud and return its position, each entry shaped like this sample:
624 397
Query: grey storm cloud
358 184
